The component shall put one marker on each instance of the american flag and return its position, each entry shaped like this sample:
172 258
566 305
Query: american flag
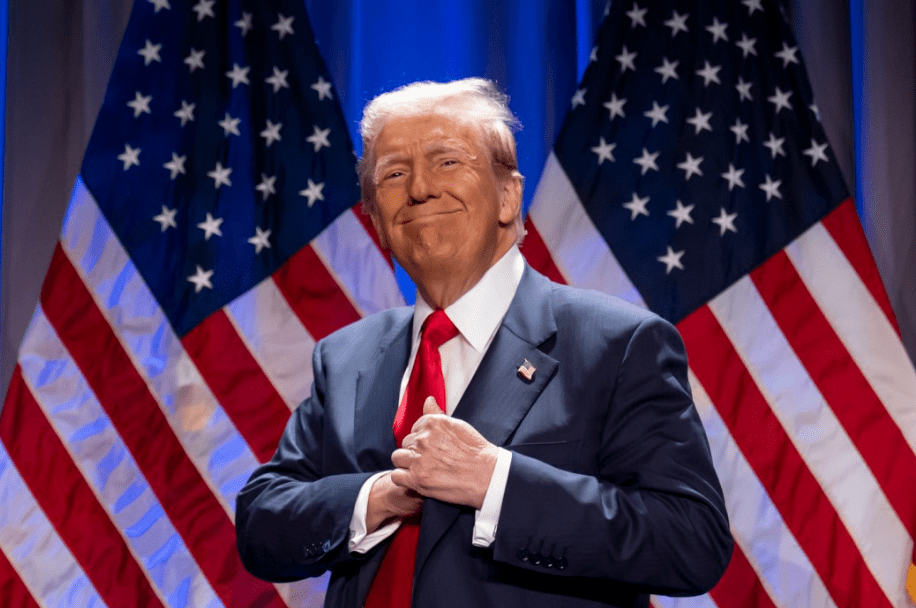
692 176
209 243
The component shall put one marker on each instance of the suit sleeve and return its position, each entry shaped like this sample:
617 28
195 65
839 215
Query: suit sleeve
653 516
292 520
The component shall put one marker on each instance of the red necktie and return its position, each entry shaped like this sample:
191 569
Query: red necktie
393 583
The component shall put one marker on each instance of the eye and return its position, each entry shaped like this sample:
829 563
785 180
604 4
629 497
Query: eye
449 162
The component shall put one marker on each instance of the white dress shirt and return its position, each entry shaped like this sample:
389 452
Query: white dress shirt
477 315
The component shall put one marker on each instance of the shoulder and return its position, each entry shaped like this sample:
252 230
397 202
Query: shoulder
369 330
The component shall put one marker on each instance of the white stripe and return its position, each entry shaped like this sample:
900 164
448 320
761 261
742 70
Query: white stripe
815 432
576 246
207 435
770 547
359 267
308 593
861 325
276 338
699 601
32 546
107 466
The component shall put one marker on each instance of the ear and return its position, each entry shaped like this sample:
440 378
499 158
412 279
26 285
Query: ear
511 204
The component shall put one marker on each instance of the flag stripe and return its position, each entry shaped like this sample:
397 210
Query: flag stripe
184 495
50 473
106 465
867 333
314 294
740 587
758 528
844 226
238 383
700 601
855 404
364 219
538 255
13 591
777 463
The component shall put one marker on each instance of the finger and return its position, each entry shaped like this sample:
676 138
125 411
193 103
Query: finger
401 478
431 407
402 458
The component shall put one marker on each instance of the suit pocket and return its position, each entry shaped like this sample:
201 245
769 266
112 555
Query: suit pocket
561 454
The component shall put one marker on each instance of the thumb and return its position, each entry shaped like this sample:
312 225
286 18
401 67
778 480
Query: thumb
431 407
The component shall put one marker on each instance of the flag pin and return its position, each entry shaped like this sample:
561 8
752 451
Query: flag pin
526 370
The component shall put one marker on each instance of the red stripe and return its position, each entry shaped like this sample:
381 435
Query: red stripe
13 591
314 294
194 511
791 486
68 501
874 433
238 383
844 226
370 229
740 587
535 251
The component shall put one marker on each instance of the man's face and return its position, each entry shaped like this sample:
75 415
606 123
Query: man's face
438 204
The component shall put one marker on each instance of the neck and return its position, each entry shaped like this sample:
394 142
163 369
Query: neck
441 287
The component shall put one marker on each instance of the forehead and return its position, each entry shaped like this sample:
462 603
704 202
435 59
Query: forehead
401 135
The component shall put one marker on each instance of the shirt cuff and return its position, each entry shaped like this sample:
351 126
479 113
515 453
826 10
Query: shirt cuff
360 541
487 517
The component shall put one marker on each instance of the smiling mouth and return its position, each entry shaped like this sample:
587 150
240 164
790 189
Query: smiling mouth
428 216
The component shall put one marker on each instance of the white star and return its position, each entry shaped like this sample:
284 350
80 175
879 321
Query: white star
626 59
230 125
259 240
709 73
615 106
637 206
220 175
667 69
324 88
733 176
130 156
691 167
319 138
657 113
593 56
672 260
140 104
176 165
816 152
239 75
283 26
744 90
579 98
787 55
201 279
150 52
266 187
313 192
681 213
717 30
700 121
677 23
605 151
747 45
166 219
647 161
725 221
780 99
637 16
160 4
244 24
186 113
204 8
752 5
771 187
278 79
740 131
195 59
271 132
775 145
210 226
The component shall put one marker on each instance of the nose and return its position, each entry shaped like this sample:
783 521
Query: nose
423 185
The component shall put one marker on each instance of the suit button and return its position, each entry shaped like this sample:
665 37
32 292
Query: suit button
548 561
560 564
536 559
523 554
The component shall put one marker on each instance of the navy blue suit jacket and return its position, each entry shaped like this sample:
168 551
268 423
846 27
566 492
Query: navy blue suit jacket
611 493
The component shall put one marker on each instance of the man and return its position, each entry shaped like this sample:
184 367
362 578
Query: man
561 464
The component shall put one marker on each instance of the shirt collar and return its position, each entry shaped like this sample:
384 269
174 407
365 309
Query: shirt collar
478 313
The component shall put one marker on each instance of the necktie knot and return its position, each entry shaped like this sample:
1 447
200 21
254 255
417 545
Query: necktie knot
438 329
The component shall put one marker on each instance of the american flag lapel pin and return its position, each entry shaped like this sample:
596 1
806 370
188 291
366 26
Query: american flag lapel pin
526 370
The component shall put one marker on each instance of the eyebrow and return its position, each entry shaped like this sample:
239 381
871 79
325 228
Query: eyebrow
431 149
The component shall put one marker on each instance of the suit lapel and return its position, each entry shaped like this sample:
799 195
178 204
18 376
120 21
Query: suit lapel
377 388
498 397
